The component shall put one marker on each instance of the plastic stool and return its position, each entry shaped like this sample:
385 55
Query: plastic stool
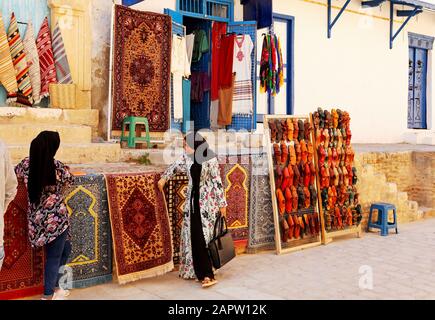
132 139
382 222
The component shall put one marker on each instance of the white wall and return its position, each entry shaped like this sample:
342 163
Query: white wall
155 5
355 70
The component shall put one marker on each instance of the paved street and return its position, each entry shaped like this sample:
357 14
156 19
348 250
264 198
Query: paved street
402 267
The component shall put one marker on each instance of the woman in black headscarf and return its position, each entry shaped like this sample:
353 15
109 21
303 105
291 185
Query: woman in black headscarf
46 179
205 200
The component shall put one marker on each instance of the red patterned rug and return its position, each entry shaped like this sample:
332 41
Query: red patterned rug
236 175
175 192
140 226
141 81
22 274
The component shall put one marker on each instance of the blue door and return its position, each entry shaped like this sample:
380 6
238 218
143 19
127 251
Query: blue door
417 88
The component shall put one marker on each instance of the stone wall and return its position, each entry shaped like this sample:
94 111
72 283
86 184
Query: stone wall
101 25
413 172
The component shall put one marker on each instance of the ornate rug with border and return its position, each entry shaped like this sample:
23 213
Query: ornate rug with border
141 232
22 274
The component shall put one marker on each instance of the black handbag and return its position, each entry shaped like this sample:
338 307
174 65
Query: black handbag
221 247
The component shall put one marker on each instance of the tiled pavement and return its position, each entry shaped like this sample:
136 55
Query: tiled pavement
402 267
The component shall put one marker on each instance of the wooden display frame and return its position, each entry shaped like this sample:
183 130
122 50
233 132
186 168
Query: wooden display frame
328 237
299 244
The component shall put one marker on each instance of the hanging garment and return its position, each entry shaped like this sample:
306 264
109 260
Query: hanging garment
269 65
258 10
31 52
186 101
214 110
190 40
264 66
226 62
24 95
46 59
7 71
226 104
60 58
200 84
217 32
200 45
242 67
180 67
279 81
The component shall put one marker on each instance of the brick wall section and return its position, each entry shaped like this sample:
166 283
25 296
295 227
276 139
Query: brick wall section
413 172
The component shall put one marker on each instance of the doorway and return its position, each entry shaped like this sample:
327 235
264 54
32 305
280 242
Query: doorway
417 102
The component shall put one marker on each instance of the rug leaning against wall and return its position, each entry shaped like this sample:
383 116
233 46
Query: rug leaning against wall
261 225
91 255
141 74
22 273
140 226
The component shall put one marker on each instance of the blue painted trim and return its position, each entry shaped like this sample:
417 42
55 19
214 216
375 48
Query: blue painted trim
409 13
289 77
204 15
329 10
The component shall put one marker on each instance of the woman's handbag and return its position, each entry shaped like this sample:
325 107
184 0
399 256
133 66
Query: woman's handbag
221 247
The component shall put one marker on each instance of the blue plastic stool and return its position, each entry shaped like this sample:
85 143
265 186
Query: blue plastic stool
382 222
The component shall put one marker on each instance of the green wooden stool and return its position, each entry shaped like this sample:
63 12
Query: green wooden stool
132 139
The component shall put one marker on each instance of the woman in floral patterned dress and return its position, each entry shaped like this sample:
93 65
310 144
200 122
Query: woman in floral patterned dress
205 199
46 179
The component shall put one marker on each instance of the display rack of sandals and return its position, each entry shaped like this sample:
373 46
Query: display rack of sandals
337 177
292 174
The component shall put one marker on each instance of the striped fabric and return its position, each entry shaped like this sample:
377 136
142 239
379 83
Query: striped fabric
242 98
20 63
33 61
60 59
46 59
7 71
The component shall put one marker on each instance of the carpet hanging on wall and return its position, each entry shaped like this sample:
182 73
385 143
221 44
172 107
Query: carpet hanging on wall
175 192
91 255
141 74
63 71
236 176
7 69
24 96
23 267
261 225
140 226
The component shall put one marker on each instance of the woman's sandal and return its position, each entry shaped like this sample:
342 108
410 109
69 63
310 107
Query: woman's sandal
207 282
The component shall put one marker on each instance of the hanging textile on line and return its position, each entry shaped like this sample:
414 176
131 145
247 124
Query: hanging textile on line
7 71
180 67
31 51
271 65
242 99
46 59
24 95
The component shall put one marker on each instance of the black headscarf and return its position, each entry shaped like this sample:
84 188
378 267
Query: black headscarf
42 171
202 153
202 149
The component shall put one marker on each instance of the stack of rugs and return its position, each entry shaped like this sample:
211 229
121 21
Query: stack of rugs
28 65
121 229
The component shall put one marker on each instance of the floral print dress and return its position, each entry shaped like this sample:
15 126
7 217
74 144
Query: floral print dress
47 219
212 198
